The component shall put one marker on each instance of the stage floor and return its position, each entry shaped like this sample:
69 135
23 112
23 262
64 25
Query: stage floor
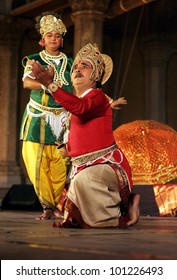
22 237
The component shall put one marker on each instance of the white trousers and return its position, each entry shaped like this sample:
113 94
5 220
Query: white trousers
94 190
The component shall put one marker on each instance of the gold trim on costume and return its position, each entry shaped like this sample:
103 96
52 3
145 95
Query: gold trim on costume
42 108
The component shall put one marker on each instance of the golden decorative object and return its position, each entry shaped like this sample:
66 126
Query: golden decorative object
151 149
166 199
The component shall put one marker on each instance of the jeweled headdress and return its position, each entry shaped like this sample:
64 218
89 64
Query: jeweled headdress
102 64
48 22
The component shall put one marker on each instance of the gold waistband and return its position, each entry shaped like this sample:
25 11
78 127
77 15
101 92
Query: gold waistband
84 159
42 108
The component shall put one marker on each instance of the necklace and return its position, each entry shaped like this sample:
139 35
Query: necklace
58 63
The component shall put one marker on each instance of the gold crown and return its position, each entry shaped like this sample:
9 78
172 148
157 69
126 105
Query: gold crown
102 64
51 23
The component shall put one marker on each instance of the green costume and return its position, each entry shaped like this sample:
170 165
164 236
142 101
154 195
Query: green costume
33 126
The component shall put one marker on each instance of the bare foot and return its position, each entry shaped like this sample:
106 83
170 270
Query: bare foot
47 215
134 209
58 213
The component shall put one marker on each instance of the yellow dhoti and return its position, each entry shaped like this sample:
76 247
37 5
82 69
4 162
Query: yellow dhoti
46 170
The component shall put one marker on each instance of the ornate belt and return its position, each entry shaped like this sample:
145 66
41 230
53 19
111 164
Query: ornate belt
45 109
90 157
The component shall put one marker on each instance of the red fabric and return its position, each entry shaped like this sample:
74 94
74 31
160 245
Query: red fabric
91 121
125 165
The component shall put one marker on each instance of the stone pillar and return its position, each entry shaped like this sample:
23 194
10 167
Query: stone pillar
156 57
10 33
88 17
5 6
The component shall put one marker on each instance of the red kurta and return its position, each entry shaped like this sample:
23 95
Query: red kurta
91 121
